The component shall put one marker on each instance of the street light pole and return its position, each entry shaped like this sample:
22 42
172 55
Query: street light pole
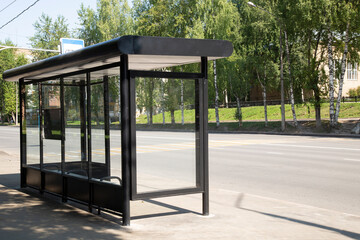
283 126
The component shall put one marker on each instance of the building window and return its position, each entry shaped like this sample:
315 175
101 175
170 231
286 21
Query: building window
351 71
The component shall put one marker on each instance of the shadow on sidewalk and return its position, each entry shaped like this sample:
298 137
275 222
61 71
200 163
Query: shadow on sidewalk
10 180
23 216
177 210
349 234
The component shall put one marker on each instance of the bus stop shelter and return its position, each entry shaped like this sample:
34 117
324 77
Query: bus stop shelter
65 149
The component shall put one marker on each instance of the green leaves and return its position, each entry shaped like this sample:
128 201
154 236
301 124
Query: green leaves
47 35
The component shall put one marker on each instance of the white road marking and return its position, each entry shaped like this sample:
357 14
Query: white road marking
171 138
304 146
276 153
352 160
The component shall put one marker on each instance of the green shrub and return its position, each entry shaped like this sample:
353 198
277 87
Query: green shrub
353 92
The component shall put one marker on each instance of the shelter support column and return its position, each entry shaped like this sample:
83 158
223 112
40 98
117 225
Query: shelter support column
125 137
22 133
204 103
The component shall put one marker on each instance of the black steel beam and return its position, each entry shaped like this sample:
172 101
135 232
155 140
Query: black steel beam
89 153
107 123
62 166
83 71
62 108
22 100
158 74
167 193
41 149
199 130
204 68
125 136
83 120
133 138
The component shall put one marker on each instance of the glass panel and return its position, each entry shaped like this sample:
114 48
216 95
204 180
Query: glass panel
97 123
115 134
99 167
51 125
32 125
75 128
166 156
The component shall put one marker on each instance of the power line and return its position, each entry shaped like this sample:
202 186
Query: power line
19 14
7 6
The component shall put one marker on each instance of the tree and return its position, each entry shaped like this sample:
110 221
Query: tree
9 59
258 47
347 41
111 19
47 35
220 21
307 19
172 98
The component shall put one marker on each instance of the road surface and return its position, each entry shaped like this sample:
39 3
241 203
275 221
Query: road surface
318 171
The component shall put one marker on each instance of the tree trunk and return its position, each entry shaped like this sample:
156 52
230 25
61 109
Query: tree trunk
120 101
162 100
151 107
331 78
226 99
216 97
263 86
146 104
343 67
315 79
265 106
239 111
16 105
13 116
172 112
292 100
2 100
317 106
282 91
182 102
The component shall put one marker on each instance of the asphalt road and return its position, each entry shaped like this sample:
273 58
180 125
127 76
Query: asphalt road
316 171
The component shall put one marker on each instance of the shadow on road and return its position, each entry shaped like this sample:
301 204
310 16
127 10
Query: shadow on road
349 234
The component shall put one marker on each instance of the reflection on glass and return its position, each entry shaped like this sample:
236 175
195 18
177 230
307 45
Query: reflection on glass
115 134
75 142
32 125
166 156
97 123
51 125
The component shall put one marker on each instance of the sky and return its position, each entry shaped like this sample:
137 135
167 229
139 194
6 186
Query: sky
19 30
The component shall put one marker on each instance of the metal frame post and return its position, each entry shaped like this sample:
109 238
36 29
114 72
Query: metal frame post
42 187
107 123
88 95
133 174
83 120
62 108
125 136
205 197
22 99
62 114
199 130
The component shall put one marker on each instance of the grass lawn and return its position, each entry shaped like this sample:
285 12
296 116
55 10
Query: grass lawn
303 111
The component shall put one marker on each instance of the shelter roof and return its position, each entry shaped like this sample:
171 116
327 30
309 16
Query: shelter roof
145 53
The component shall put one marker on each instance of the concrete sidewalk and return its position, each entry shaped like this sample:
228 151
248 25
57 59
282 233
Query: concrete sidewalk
25 214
